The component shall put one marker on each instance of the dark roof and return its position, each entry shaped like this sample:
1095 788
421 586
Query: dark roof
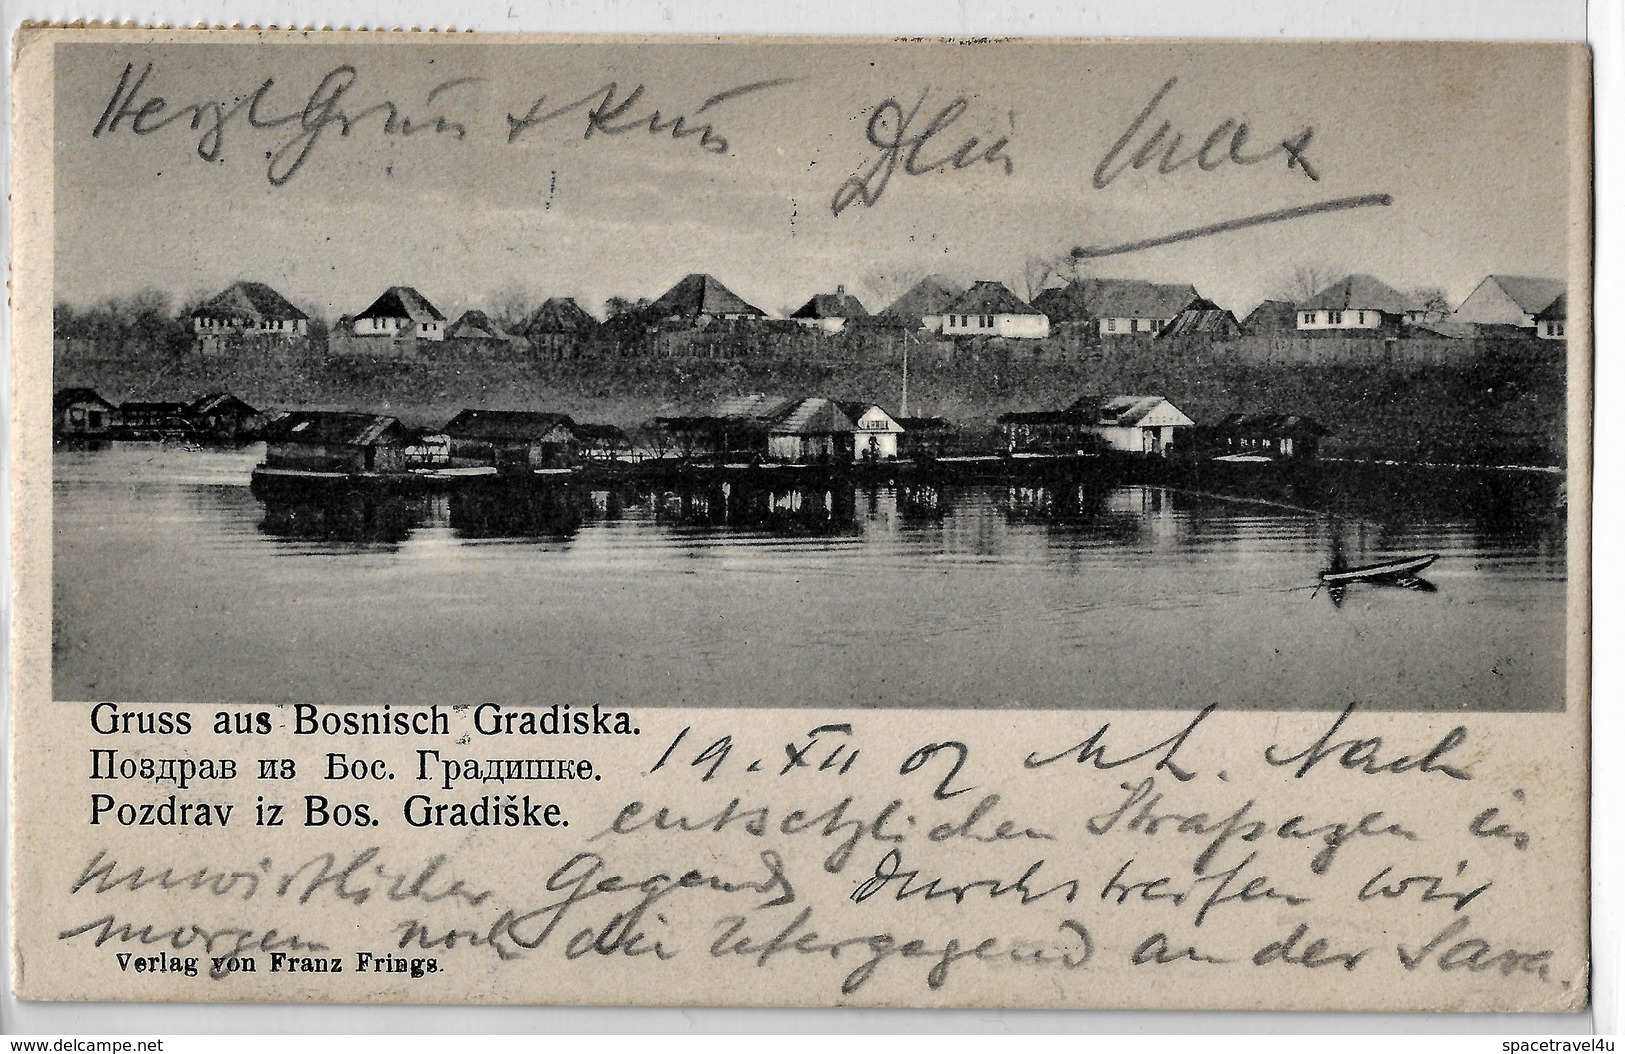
1271 316
505 424
559 314
176 409
990 298
931 295
700 294
1271 425
217 401
335 429
477 325
1201 321
839 304
1119 409
1089 298
402 301
1360 292
815 416
68 396
1530 294
251 300
753 407
1556 311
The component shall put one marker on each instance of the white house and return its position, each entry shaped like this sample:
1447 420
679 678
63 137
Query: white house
991 310
830 311
401 312
1118 307
244 308
1358 303
875 434
1137 424
1551 321
1509 300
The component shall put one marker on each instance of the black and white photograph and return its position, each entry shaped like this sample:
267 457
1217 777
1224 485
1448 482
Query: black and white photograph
1010 376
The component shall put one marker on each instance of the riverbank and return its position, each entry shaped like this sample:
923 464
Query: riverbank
1485 412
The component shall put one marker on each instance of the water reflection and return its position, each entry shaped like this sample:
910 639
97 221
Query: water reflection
351 517
1064 592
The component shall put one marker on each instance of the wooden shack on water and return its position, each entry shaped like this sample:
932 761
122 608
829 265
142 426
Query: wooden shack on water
512 439
329 442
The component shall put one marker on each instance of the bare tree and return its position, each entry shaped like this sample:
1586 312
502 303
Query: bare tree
1434 304
512 305
886 285
1304 281
1036 271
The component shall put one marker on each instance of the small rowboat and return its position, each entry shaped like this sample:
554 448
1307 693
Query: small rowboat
1392 570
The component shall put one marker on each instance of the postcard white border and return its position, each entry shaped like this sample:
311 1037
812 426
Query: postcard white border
1603 25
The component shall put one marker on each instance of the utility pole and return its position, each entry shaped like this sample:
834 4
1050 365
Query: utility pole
903 411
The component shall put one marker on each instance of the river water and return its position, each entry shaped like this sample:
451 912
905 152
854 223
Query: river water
173 583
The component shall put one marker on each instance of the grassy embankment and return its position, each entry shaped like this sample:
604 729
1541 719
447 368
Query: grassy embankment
1485 412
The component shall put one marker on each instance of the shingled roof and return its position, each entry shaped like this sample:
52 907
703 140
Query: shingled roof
69 396
329 428
249 300
990 298
1120 410
1090 298
700 294
402 301
559 314
1360 292
815 416
839 304
477 325
931 295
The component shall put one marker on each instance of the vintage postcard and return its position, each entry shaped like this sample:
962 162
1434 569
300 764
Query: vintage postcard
997 523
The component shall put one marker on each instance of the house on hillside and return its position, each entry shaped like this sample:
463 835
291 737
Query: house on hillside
1202 320
698 299
1357 305
82 412
1136 424
989 309
560 325
1551 320
221 415
925 302
401 312
512 439
249 309
477 325
1509 300
830 312
1293 437
1271 318
325 441
1121 307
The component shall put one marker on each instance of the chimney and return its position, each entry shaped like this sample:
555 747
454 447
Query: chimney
840 290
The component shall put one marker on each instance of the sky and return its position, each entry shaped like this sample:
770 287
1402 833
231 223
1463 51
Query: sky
1470 142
